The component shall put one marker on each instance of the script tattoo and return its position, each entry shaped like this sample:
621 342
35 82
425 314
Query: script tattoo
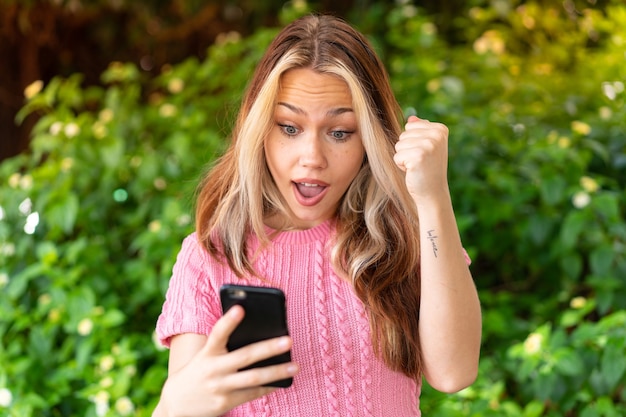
433 240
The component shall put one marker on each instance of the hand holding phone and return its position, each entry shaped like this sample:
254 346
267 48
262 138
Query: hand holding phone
205 378
265 318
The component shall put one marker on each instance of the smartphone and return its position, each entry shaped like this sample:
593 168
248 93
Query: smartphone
265 318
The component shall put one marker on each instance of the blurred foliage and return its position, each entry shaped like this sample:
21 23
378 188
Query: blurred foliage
91 222
91 218
42 39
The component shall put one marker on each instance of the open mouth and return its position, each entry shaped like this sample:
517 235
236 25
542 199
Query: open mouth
309 193
309 190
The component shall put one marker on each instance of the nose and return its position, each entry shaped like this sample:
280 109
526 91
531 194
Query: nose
312 151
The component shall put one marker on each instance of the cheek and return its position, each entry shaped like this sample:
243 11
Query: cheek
275 157
356 157
350 163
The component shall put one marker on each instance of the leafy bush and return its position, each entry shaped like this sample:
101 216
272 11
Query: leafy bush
90 224
92 217
535 104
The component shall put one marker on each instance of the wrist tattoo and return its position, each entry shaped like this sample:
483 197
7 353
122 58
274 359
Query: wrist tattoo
433 240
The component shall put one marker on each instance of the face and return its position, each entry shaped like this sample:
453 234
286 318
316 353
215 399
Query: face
314 149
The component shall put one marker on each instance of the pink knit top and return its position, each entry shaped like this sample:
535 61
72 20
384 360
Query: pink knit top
340 374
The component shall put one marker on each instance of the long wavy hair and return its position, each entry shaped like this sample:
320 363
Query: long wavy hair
376 245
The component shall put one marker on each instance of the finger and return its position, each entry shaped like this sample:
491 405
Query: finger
256 377
416 130
411 141
421 133
246 395
410 123
400 161
412 120
258 351
231 363
223 328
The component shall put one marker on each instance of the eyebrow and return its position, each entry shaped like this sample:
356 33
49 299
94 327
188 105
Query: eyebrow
332 112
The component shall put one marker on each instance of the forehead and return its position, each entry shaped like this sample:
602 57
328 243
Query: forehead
315 87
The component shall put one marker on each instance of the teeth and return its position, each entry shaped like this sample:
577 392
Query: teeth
306 184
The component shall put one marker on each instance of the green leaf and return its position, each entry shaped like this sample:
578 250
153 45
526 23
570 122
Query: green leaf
84 352
570 318
607 408
79 306
544 384
553 190
112 153
40 344
534 409
613 364
113 318
607 205
47 253
19 282
602 407
539 227
590 411
616 320
605 299
569 363
572 265
63 214
601 260
572 227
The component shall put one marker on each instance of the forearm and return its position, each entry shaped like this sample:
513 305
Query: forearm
450 316
158 411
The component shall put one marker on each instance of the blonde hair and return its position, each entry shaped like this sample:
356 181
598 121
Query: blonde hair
377 240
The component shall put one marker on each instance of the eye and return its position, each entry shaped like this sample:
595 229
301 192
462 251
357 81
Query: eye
340 135
288 130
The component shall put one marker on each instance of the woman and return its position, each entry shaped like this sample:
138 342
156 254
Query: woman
324 195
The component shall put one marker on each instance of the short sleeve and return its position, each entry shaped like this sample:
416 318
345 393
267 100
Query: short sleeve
191 305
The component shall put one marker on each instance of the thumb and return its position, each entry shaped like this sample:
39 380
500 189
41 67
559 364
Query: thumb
223 328
413 118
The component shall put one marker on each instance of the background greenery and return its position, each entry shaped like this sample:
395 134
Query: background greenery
92 215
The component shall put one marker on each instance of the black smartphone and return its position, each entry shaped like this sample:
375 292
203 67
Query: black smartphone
265 318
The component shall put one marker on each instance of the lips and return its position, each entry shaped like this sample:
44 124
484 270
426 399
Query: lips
309 192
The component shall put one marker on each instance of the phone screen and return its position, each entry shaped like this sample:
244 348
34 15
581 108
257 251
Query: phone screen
265 318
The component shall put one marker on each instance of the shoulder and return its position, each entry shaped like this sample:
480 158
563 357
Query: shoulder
194 264
192 249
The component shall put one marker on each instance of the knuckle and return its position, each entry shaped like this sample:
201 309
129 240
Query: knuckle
443 129
209 371
214 385
253 378
246 356
220 402
429 146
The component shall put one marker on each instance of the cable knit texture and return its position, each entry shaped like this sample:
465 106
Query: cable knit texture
340 374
